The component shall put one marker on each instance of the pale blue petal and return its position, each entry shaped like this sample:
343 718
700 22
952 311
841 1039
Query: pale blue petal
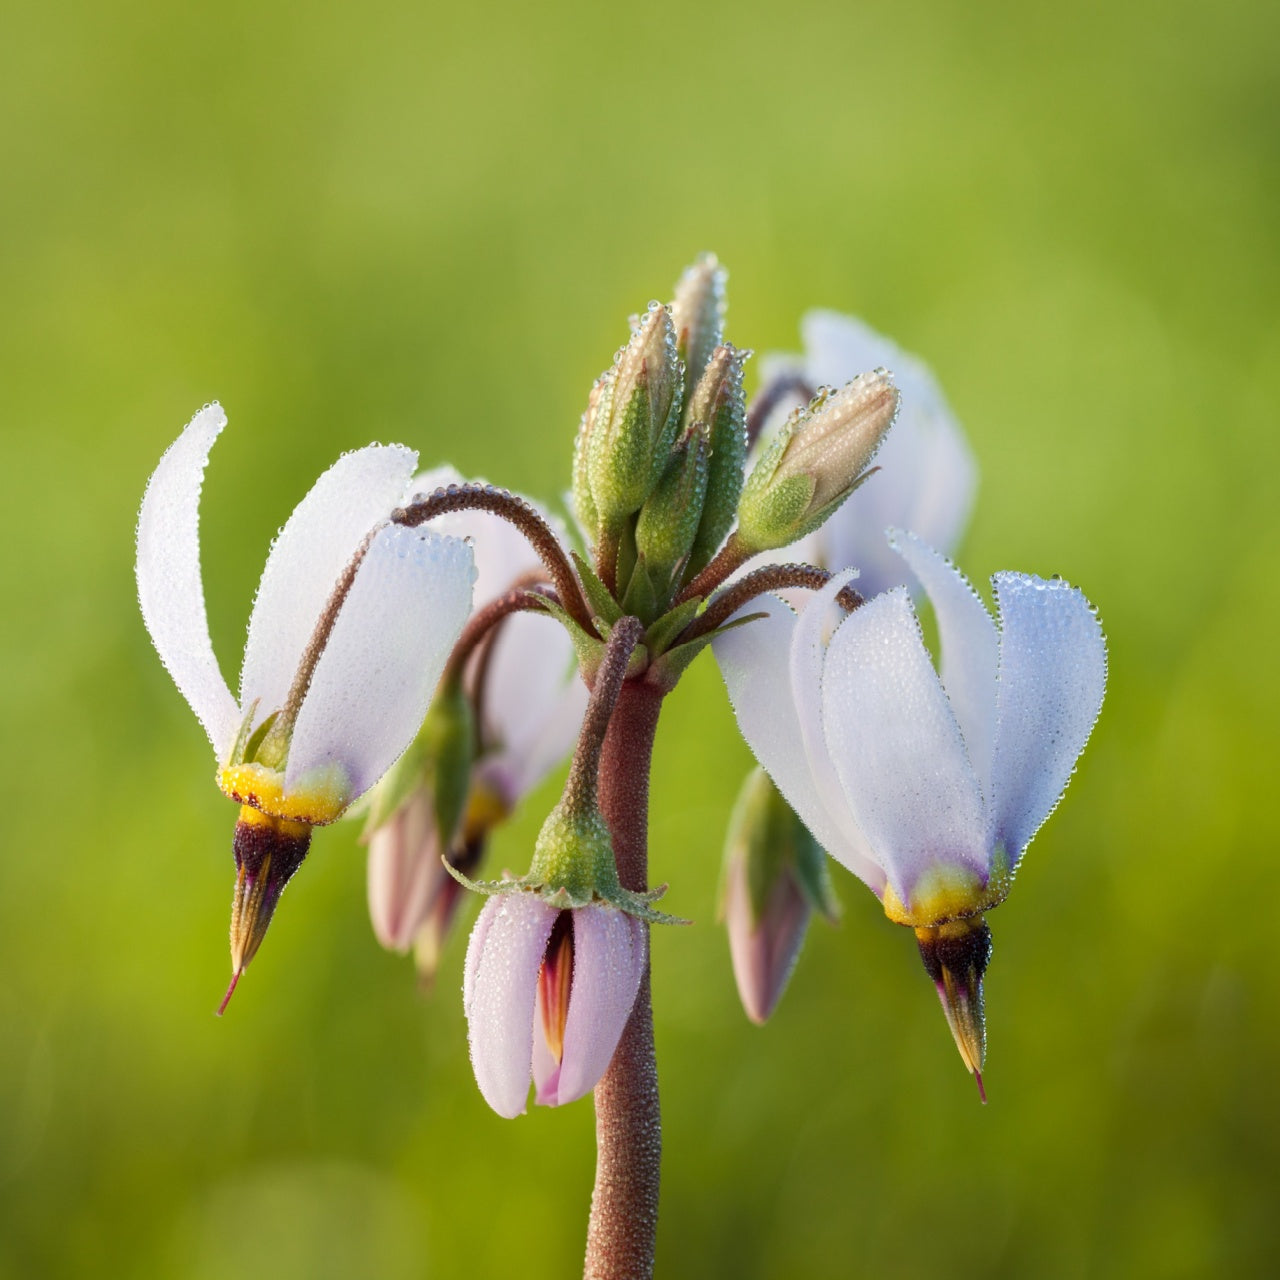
1053 672
897 747
970 648
307 558
406 608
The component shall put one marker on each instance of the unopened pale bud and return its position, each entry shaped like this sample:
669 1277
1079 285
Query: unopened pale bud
775 877
815 461
697 314
635 421
671 515
718 401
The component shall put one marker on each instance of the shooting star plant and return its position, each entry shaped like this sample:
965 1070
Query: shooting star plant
927 787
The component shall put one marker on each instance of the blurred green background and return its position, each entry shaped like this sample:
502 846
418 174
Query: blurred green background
393 222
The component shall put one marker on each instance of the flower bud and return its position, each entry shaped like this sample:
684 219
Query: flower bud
635 421
775 877
671 515
697 315
437 763
584 507
718 401
815 461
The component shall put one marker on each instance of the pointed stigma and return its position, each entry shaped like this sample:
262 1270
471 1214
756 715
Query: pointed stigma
982 1093
226 1000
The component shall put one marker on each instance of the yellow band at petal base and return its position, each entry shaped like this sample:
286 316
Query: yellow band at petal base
319 799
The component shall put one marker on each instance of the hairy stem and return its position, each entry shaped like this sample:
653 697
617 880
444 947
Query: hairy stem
769 577
729 559
539 534
481 624
624 1204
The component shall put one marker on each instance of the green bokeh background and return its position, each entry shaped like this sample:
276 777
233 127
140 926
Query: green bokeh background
393 222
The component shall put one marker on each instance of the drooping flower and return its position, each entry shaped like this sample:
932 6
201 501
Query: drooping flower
547 993
350 629
928 787
926 477
527 703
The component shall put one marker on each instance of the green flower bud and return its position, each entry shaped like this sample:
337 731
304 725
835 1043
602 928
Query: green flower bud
697 315
671 515
718 401
635 421
584 507
815 462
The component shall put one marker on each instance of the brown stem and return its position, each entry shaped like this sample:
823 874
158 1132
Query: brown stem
584 769
481 623
769 577
624 1204
540 535
730 558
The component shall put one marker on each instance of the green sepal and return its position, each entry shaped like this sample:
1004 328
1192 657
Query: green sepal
640 599
588 648
439 759
665 670
240 745
669 520
639 905
770 518
666 628
598 597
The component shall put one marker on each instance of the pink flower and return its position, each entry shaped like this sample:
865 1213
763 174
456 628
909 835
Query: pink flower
547 993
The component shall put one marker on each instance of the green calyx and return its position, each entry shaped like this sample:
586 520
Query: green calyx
765 832
573 866
718 401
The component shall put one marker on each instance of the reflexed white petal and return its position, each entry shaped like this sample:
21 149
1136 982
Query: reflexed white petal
500 988
376 676
755 662
816 625
1053 672
169 587
308 556
609 956
897 747
970 649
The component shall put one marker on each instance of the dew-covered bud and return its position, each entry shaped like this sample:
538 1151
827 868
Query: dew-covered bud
697 314
775 878
815 461
584 506
718 401
635 421
671 515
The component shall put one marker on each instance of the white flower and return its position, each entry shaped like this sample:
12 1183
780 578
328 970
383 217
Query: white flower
530 704
322 713
926 477
927 787
547 994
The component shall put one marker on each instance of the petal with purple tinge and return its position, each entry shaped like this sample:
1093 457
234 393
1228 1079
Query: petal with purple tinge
897 747
308 556
610 951
500 989
169 586
1053 673
377 673
404 872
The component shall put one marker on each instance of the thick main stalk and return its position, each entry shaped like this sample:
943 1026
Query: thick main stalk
624 1203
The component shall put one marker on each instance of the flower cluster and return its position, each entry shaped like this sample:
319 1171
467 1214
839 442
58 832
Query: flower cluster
435 647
